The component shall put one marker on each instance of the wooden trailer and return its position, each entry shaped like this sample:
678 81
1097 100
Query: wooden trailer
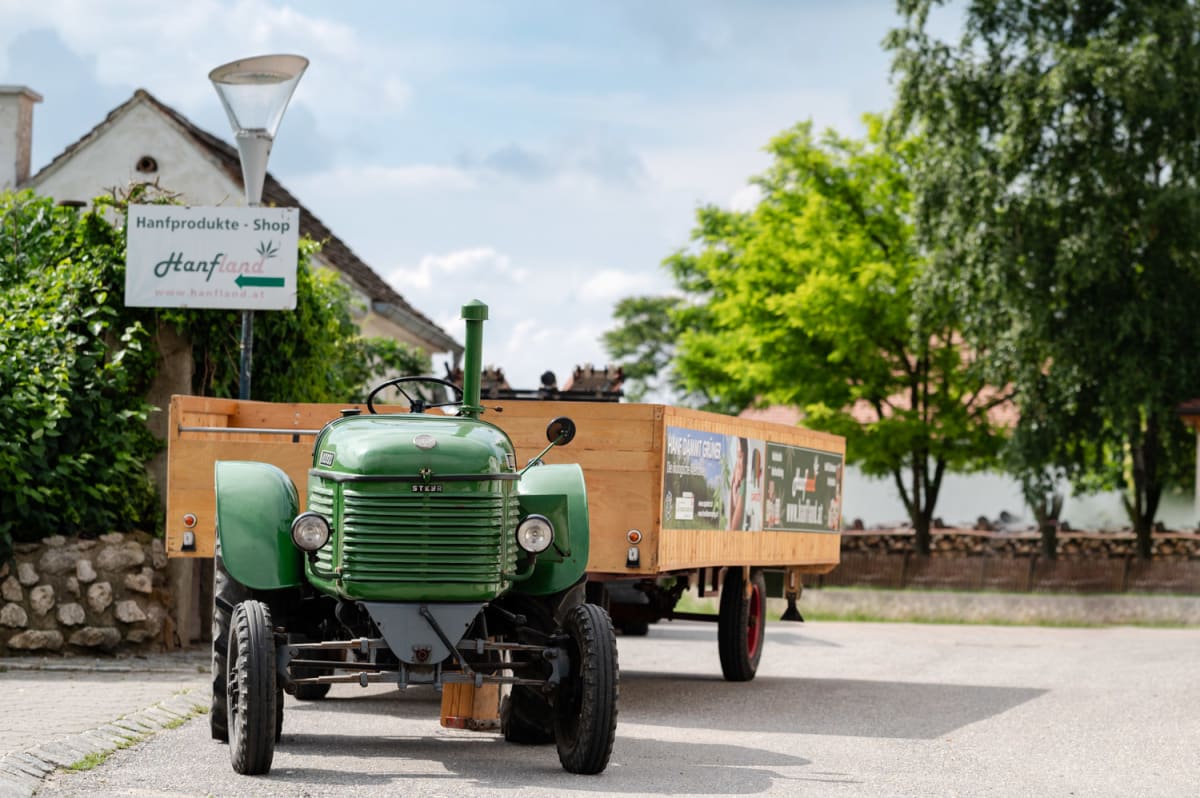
677 499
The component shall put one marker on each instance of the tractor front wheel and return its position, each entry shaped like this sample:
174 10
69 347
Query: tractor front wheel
585 707
227 594
252 692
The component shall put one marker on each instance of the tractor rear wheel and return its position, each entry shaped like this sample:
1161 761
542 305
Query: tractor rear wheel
227 594
585 707
254 720
313 692
526 717
741 624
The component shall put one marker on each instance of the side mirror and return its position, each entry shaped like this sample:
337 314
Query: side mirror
561 431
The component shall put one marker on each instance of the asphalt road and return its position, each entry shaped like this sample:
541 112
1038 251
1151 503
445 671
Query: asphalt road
838 709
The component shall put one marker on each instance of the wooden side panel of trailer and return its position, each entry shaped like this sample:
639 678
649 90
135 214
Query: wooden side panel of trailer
619 446
813 552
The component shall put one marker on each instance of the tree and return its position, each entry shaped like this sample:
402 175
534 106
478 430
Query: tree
643 344
808 301
1061 190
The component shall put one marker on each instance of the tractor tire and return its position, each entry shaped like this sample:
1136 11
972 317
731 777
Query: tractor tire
585 707
741 624
253 713
227 594
312 692
526 717
635 628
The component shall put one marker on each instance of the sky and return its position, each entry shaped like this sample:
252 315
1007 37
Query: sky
543 157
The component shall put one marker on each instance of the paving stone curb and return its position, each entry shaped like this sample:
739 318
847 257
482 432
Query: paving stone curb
21 773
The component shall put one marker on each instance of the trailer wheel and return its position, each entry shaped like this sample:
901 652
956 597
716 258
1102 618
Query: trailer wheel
741 624
227 594
252 692
585 707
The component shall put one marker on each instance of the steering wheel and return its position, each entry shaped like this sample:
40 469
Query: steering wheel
418 404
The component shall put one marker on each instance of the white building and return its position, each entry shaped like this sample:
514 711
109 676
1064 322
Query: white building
145 140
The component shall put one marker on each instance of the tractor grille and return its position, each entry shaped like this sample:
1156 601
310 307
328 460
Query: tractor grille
389 536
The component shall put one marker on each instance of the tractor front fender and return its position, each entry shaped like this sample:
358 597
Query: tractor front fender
256 503
559 493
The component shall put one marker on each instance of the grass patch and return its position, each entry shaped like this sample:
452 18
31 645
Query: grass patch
855 612
96 759
131 738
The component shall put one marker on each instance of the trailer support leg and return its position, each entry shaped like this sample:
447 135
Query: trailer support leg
791 591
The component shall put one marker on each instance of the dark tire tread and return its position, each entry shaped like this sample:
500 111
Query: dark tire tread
254 721
227 594
584 729
733 626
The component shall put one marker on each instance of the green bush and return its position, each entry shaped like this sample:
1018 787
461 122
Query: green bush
74 369
76 365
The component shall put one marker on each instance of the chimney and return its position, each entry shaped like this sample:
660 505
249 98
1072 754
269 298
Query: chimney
16 134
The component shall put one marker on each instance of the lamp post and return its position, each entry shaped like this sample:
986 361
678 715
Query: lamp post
255 93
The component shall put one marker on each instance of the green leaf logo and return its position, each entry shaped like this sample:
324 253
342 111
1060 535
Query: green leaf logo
267 249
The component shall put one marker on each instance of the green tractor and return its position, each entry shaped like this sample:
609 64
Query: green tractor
426 556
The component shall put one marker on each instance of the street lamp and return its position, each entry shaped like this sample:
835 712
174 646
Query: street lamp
255 93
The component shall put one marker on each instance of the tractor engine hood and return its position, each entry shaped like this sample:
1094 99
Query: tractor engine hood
382 446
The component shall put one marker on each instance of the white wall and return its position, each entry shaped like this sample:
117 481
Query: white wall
109 161
964 498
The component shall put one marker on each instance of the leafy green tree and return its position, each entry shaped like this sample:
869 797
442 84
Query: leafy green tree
808 301
643 344
1061 189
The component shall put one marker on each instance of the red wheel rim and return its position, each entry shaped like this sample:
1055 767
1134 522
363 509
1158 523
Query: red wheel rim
754 623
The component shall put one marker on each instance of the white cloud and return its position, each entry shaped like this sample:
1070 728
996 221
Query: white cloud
610 285
170 48
461 264
359 180
745 198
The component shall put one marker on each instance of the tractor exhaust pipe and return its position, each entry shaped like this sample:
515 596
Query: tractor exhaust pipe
474 313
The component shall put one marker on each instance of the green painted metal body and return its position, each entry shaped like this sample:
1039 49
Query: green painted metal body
422 507
474 313
413 523
559 493
256 503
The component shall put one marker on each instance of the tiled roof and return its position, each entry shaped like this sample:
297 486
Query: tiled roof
384 299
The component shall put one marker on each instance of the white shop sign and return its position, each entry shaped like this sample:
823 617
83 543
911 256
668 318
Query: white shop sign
231 258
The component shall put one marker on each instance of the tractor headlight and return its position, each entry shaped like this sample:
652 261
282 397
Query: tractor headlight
310 531
535 534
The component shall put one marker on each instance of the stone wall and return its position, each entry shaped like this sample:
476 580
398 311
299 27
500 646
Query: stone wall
951 542
68 595
1086 562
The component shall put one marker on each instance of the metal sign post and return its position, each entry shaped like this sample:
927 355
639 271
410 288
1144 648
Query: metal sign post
255 93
